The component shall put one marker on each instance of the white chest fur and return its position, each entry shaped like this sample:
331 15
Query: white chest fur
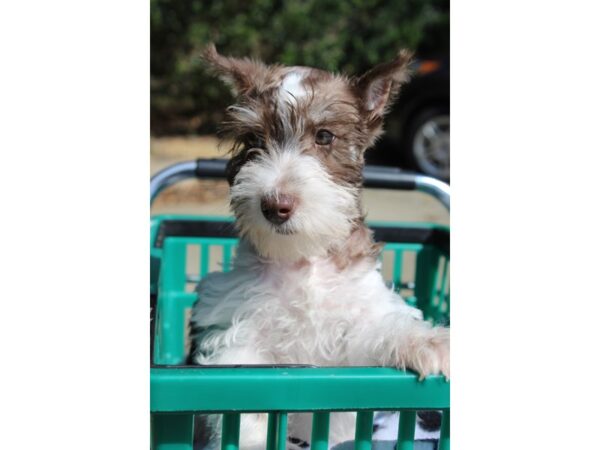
289 313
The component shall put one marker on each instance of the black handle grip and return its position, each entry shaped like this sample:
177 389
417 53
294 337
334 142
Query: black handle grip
211 168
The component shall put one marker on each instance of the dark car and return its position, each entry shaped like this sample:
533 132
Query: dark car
418 127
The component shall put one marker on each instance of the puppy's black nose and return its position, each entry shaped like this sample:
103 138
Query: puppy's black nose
277 209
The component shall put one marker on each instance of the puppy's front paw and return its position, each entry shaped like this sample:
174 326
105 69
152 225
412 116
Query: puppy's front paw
431 355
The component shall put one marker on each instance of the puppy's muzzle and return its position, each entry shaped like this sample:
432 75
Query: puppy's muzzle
278 209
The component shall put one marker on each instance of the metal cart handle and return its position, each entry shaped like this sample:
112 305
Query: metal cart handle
374 177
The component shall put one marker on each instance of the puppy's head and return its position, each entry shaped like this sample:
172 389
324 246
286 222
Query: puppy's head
300 135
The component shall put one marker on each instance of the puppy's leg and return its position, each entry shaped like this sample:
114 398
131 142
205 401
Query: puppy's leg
398 339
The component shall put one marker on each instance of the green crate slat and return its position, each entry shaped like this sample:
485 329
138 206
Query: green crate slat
282 431
272 431
399 246
293 389
406 430
364 431
172 431
169 347
173 279
426 277
442 292
320 431
445 431
230 436
398 254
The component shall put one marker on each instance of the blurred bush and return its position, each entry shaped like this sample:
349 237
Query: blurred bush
348 36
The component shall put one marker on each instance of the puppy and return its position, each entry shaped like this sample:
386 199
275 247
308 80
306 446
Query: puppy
305 287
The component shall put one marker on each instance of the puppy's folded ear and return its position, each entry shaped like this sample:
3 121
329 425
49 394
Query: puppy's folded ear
378 87
241 74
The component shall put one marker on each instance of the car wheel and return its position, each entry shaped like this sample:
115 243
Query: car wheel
427 144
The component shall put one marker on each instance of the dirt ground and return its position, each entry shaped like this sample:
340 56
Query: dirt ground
210 197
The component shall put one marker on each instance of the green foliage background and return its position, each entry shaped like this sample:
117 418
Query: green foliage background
348 36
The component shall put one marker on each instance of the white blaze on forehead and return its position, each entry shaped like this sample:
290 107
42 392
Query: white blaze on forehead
291 86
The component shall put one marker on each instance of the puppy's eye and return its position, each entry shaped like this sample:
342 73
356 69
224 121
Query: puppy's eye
252 153
254 141
324 137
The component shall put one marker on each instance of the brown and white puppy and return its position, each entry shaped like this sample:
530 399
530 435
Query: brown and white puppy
305 287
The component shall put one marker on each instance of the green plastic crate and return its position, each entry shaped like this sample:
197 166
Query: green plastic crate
185 248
